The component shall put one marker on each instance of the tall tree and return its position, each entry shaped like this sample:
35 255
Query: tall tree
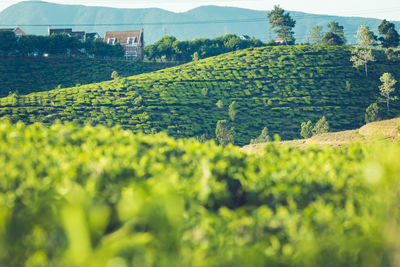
335 36
316 35
387 88
362 53
390 37
283 24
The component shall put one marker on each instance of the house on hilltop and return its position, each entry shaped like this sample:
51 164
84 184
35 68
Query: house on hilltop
92 36
132 42
245 37
81 35
17 31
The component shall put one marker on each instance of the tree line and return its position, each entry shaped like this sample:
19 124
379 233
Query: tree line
169 48
55 44
282 24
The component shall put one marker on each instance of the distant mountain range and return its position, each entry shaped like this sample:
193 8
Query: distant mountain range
205 21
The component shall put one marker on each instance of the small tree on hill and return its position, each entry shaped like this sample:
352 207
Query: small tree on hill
115 75
371 113
365 37
387 88
316 35
219 104
195 56
362 53
232 110
306 129
321 126
202 138
335 36
224 134
361 57
282 24
14 98
262 138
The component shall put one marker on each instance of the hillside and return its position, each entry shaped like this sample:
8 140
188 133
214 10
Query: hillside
35 74
94 196
379 130
277 87
42 13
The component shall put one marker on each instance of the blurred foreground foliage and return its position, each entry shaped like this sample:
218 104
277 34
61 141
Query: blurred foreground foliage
92 196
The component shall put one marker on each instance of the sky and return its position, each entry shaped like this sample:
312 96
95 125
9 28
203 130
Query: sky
383 9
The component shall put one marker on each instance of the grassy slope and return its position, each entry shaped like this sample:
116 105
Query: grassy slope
387 129
27 75
278 87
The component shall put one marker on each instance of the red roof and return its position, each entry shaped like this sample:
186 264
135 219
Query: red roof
122 37
16 30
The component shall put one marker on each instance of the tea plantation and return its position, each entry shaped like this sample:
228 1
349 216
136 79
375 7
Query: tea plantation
278 87
35 74
95 196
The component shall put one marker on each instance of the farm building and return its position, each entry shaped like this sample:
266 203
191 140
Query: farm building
81 35
17 31
132 42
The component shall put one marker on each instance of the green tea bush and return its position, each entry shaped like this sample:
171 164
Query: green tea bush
93 196
30 74
311 83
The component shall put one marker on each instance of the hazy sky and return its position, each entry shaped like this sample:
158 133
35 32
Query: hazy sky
389 9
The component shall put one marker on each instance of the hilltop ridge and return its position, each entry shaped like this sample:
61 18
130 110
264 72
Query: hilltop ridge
184 25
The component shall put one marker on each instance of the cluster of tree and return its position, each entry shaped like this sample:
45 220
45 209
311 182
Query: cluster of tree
308 130
335 35
362 53
389 37
386 90
283 25
56 44
224 131
169 48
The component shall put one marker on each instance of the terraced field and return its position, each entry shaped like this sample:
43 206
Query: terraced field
29 74
277 87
